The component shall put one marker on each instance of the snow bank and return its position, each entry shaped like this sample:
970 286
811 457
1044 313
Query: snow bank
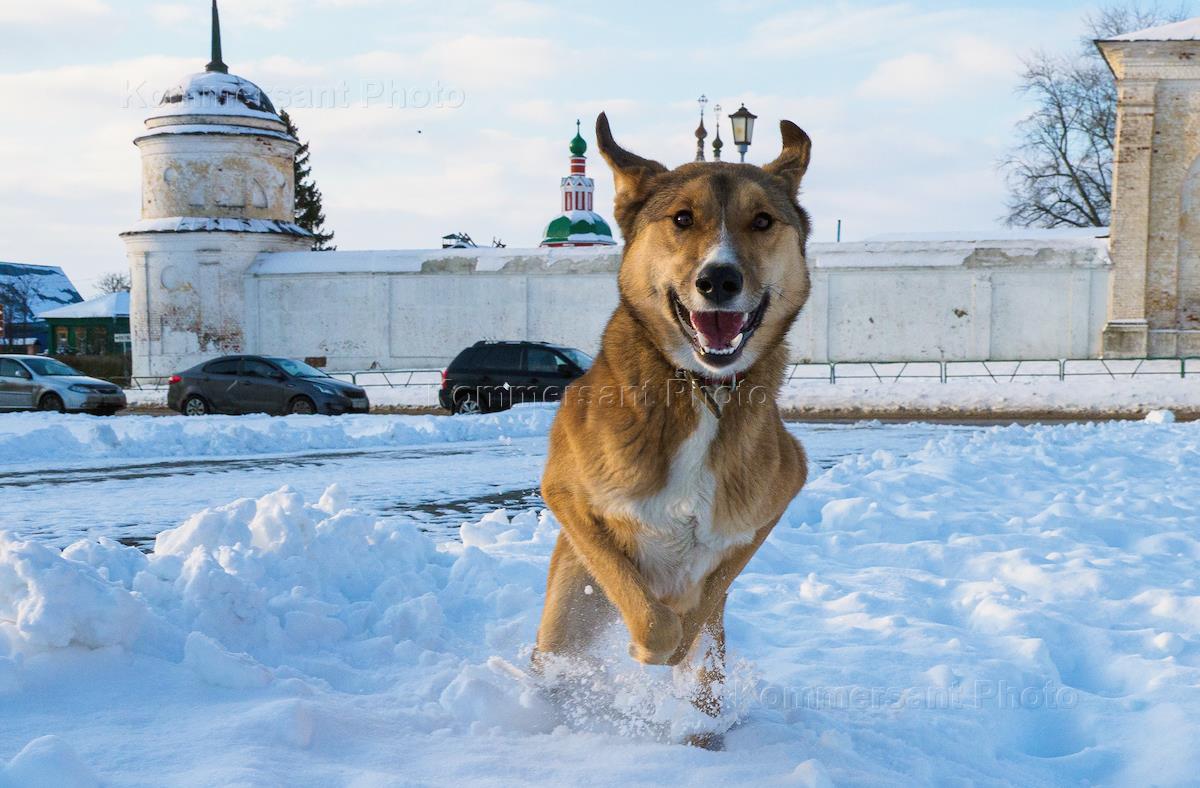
415 396
1079 395
1017 606
974 397
52 437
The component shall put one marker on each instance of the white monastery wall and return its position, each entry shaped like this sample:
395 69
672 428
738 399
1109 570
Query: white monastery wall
921 299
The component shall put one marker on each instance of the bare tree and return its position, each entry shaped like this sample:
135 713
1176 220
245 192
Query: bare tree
1060 171
113 282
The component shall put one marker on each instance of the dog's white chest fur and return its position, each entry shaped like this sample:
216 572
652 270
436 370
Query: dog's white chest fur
678 545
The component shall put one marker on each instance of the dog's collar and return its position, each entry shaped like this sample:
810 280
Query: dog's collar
732 381
706 387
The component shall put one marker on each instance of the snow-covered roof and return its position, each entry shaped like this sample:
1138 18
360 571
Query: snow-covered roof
578 227
39 287
216 93
202 224
111 305
1187 30
213 128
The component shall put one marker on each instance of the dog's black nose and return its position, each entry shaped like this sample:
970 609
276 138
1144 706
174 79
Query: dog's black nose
719 283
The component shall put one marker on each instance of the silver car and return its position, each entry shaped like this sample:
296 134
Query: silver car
40 383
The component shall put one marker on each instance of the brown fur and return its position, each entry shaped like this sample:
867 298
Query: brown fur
627 423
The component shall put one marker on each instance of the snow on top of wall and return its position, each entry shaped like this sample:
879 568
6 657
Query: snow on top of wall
1187 30
48 287
412 261
998 234
203 224
1028 249
1034 249
111 305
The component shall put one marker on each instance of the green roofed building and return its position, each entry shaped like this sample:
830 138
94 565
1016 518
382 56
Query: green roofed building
96 327
578 224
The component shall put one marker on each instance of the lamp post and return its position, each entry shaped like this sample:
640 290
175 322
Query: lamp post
743 129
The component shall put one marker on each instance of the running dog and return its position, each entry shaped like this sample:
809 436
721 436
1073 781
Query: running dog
669 463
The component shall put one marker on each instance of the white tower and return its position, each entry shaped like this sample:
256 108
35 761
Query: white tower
218 188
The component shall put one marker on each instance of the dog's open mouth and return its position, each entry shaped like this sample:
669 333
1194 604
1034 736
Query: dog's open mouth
718 337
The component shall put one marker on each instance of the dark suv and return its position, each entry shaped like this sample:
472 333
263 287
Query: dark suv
261 384
496 375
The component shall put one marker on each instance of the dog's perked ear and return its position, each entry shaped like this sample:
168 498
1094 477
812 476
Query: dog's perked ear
630 171
793 160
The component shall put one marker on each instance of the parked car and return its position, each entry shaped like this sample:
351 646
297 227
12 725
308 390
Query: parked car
261 384
491 376
41 383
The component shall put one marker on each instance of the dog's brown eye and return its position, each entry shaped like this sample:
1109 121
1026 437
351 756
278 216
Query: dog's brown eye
684 219
762 221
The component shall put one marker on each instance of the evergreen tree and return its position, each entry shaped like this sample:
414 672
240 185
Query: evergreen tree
308 211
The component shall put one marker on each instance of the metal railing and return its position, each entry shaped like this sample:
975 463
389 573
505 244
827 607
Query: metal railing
391 378
847 371
148 383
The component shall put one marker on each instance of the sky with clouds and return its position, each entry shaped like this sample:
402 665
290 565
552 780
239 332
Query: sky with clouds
429 118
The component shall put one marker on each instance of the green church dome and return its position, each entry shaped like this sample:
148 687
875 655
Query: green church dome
578 227
578 145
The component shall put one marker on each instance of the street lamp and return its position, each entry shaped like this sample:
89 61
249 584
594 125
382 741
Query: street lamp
743 129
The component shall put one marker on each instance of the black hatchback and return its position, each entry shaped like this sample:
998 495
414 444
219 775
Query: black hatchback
261 384
492 376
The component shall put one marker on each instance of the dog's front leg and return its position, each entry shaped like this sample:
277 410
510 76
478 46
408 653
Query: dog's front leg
712 595
654 628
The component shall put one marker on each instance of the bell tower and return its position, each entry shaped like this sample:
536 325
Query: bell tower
579 224
218 189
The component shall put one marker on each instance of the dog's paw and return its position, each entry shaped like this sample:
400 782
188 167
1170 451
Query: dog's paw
659 641
706 741
648 657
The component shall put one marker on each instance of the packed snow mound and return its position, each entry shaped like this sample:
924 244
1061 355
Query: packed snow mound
54 437
1014 606
50 762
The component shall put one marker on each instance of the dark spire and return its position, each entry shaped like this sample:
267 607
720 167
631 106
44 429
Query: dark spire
216 64
717 143
701 132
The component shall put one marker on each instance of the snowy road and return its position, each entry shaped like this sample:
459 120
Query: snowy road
436 486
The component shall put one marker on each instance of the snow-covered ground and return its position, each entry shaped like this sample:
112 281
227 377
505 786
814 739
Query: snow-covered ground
979 397
63 478
39 437
1082 394
1011 605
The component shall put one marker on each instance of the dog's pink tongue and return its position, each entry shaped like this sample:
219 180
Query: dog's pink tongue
718 329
